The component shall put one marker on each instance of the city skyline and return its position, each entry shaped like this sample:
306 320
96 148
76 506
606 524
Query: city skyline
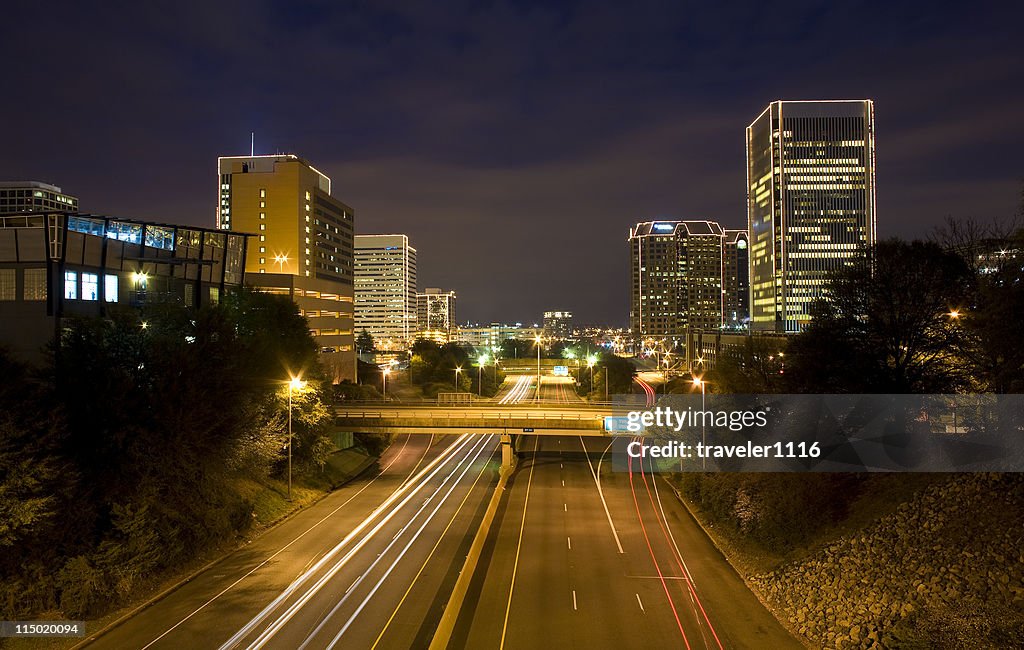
462 143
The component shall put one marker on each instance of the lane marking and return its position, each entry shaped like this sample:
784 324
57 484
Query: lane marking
641 603
411 486
398 456
574 600
569 540
519 545
467 462
600 493
429 556
654 559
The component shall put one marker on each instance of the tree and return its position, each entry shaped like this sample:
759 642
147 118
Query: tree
364 343
517 349
888 323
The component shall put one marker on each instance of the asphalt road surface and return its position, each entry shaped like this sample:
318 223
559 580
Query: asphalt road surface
554 573
371 564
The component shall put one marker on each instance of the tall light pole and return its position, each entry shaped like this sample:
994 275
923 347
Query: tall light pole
458 369
384 379
697 381
295 384
536 342
480 374
590 364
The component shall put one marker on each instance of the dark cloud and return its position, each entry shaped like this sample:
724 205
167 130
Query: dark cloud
515 142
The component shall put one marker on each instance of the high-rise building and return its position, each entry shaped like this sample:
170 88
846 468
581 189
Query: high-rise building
18 197
435 315
810 202
301 246
736 279
558 325
385 275
677 276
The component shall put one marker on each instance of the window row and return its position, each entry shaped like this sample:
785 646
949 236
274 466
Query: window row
90 286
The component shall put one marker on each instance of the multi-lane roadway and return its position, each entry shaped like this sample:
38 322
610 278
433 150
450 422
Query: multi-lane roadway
581 556
578 556
369 566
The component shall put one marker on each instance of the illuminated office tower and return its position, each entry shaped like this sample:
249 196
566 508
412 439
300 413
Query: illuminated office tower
810 202
676 277
735 280
558 325
302 244
435 315
386 290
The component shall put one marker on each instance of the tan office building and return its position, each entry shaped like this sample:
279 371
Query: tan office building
302 244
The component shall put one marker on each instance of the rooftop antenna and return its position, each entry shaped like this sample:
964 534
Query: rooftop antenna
252 144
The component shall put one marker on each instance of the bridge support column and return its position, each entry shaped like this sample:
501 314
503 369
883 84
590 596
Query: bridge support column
508 452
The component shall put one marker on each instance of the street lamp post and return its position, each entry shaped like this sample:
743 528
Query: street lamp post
384 380
703 431
480 374
458 369
537 341
295 384
590 364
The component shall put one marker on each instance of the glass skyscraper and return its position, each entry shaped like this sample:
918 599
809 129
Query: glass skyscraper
810 202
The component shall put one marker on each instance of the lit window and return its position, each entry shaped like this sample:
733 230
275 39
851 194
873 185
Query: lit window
8 284
263 238
307 196
263 215
263 226
35 284
263 260
263 193
263 249
90 286
110 288
263 204
70 285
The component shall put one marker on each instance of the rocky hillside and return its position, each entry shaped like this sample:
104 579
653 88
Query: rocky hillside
945 570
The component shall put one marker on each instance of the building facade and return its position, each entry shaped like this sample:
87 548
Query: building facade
810 202
55 266
558 325
685 274
385 290
435 315
22 197
736 280
300 230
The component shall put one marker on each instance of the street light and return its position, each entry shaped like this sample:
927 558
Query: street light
591 360
384 378
536 341
697 381
458 369
480 374
295 384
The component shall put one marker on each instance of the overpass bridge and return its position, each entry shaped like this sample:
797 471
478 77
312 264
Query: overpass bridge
538 419
507 420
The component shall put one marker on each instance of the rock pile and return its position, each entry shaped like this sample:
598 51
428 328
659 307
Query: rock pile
957 544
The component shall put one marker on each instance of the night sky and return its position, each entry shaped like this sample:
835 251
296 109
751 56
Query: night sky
514 142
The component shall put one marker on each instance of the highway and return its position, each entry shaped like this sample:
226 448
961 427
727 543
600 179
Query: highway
369 566
583 557
578 556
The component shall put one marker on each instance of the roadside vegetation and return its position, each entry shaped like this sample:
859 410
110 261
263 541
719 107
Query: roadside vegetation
938 316
146 443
